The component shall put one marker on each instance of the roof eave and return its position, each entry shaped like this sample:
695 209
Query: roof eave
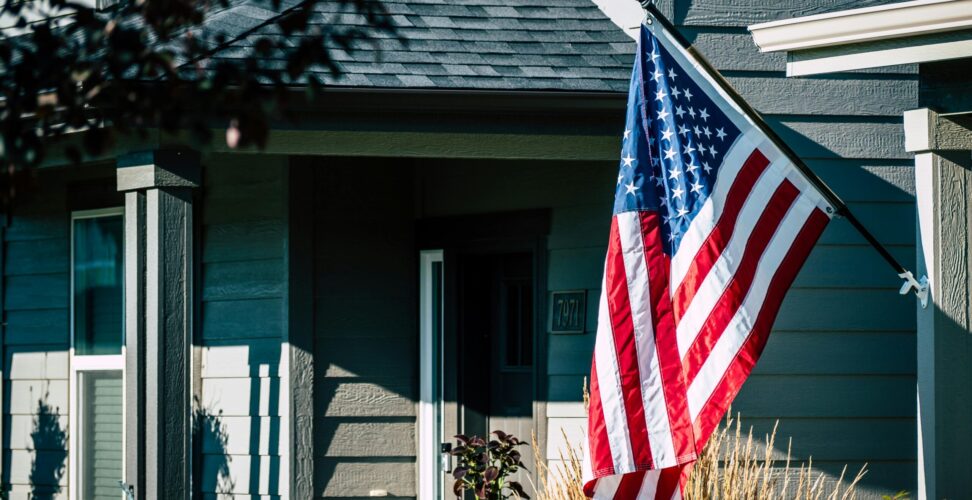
901 33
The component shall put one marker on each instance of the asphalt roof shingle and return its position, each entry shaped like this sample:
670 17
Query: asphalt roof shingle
471 44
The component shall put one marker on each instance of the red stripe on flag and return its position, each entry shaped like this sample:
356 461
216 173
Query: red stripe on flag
669 482
717 240
673 379
597 431
684 474
738 286
630 486
622 324
741 366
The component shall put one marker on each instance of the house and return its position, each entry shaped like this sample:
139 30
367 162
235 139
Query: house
936 37
419 256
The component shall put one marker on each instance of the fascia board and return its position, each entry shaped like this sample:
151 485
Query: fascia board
863 25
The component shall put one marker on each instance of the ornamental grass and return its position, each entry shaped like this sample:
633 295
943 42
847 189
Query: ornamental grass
732 467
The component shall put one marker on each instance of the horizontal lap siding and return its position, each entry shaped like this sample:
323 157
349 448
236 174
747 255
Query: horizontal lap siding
35 340
241 420
365 327
839 370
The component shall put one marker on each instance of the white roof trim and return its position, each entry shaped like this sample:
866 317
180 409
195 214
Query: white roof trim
863 25
626 14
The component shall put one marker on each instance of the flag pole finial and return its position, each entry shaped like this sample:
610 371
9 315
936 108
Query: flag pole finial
647 5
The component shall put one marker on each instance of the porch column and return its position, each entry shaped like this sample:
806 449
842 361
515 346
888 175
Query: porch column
158 320
943 186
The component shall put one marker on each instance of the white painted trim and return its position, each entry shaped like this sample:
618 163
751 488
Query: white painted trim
97 363
925 354
625 14
804 64
284 414
430 385
863 25
80 364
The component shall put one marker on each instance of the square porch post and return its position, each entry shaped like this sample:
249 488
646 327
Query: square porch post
158 319
943 186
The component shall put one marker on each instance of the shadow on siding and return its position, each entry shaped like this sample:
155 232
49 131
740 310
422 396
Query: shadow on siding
209 432
49 452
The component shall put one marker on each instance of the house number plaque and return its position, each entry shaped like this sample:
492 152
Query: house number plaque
568 312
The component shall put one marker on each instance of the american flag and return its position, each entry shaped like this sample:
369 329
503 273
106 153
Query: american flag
711 223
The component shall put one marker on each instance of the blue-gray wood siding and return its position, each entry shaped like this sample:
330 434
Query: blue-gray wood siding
36 277
365 327
36 336
242 326
839 369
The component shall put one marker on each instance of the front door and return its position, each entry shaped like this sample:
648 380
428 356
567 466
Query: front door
494 343
479 329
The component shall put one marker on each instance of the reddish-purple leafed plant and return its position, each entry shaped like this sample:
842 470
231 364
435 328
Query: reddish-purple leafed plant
485 467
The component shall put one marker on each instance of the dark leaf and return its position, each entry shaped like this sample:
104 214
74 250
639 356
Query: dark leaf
459 472
491 473
518 489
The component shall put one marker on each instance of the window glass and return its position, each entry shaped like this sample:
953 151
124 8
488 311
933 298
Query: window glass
101 440
518 312
98 281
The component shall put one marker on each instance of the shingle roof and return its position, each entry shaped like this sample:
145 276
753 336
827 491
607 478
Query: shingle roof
472 44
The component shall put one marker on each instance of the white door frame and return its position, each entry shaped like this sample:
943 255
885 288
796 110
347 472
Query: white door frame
430 377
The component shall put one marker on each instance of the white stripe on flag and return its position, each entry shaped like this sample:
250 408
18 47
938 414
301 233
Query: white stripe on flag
639 296
809 190
649 486
609 388
724 269
737 331
606 487
702 225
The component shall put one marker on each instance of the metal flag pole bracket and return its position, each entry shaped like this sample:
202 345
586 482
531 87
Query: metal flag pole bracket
920 287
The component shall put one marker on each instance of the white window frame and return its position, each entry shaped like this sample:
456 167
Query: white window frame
86 364
430 381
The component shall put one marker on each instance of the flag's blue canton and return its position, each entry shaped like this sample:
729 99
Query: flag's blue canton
675 139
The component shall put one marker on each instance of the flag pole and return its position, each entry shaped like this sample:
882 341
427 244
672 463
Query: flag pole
840 208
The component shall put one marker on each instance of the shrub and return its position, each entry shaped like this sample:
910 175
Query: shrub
484 467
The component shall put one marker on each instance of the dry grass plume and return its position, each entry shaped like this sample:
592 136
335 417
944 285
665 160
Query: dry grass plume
733 466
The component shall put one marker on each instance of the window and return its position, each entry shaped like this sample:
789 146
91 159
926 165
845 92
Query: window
97 336
515 312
